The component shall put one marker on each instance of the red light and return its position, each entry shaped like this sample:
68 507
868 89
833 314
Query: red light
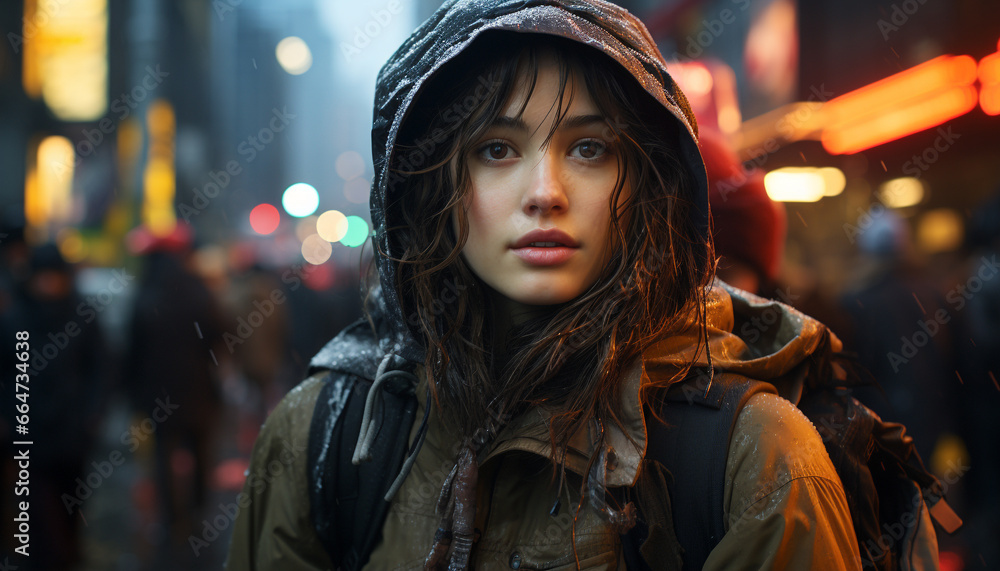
989 77
951 561
264 219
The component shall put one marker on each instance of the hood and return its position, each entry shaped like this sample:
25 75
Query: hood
759 338
459 24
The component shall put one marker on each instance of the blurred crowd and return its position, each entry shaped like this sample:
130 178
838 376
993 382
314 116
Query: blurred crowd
926 329
148 384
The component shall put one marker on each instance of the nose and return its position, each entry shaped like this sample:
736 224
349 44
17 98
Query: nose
546 192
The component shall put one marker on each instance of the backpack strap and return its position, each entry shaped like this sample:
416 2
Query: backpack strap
347 504
693 445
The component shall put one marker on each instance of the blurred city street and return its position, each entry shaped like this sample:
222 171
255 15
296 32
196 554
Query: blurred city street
185 223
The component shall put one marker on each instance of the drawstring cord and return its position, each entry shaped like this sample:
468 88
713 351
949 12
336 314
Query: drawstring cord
370 419
373 403
366 436
411 456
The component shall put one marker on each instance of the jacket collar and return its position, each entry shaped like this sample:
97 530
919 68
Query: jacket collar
529 432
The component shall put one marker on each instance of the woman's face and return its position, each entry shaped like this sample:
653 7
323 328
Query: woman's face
539 217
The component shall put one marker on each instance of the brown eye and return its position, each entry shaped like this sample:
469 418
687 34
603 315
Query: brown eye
497 151
591 149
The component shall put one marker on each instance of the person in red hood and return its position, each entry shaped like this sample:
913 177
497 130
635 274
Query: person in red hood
545 276
747 226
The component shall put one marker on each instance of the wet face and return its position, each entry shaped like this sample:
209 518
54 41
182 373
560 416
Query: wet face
539 216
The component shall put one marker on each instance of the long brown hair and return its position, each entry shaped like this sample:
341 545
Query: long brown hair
571 358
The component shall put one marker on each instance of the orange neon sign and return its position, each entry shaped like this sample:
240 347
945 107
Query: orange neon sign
989 79
907 102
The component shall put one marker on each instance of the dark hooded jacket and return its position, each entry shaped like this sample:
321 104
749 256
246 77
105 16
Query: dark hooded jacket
784 501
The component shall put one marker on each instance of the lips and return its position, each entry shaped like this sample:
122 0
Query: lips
545 247
551 238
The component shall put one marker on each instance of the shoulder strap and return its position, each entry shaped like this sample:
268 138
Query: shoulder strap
693 445
347 504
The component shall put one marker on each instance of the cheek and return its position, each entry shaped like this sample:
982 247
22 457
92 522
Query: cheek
486 214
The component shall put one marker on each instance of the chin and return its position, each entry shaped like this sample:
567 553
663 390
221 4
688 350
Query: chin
544 295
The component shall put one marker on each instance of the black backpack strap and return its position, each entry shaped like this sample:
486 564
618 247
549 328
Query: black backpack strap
693 445
347 504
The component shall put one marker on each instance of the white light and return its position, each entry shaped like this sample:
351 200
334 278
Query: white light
300 200
316 250
293 55
794 185
901 192
332 225
834 181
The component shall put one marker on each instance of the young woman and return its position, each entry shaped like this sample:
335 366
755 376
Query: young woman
545 278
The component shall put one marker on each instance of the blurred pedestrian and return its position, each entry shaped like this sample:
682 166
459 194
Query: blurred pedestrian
171 375
887 303
65 395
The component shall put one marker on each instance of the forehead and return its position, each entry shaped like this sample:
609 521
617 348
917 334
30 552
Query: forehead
537 88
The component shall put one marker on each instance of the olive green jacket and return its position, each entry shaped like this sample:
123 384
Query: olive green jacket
784 502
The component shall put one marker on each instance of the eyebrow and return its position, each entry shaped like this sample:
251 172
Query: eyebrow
573 122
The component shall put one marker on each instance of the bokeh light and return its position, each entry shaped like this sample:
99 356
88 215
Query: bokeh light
332 225
71 245
264 219
699 79
834 180
357 232
940 230
316 250
300 200
357 190
305 228
794 185
350 165
294 55
901 192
